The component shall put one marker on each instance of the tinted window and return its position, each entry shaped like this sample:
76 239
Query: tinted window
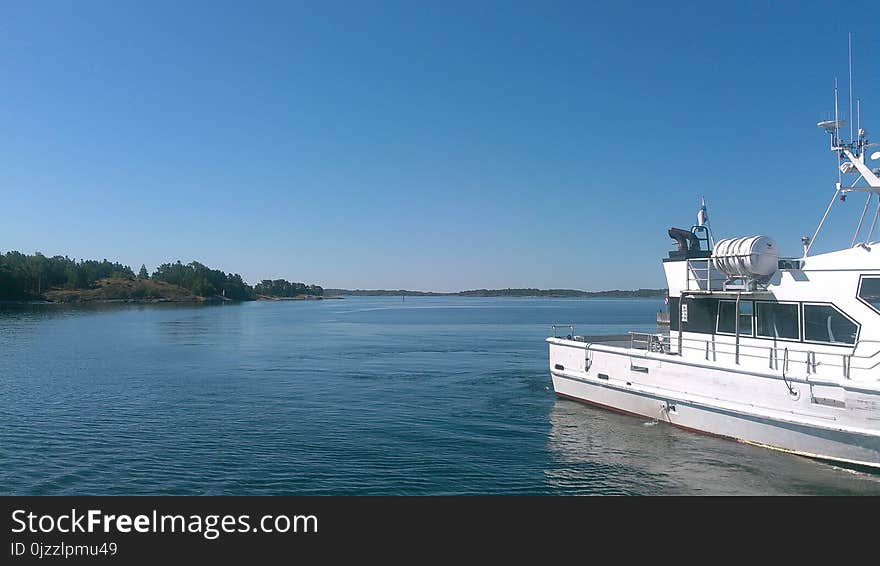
673 313
701 315
777 320
824 323
869 291
746 309
727 320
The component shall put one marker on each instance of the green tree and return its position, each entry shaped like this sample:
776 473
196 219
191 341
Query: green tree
142 274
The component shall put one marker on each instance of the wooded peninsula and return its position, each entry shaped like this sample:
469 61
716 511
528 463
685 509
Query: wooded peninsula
61 279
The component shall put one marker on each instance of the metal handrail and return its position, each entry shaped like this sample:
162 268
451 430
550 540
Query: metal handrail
647 341
653 342
853 355
845 363
695 274
569 326
860 342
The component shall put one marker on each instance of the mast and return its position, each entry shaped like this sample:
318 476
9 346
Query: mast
850 160
850 90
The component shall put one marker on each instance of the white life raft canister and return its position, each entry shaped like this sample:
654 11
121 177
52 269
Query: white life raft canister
752 256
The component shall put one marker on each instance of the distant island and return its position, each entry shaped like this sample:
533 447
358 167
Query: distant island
552 293
63 280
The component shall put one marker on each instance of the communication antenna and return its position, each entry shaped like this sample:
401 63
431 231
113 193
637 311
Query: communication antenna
836 115
837 135
850 89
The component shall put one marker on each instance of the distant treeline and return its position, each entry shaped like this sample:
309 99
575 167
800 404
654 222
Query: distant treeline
502 293
284 288
561 293
384 293
204 281
29 276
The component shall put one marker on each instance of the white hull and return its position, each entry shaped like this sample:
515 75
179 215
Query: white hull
724 402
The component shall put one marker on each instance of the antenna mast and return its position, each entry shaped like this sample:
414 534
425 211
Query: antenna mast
850 159
836 138
850 90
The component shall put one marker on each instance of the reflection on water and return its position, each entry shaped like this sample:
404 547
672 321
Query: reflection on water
595 450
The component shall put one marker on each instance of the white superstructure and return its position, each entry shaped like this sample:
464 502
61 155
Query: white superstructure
783 353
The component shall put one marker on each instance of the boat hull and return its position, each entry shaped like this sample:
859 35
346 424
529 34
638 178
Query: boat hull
722 408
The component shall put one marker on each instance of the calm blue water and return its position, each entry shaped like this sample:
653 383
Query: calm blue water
357 396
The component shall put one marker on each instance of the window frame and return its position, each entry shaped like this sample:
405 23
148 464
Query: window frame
800 321
804 339
859 290
718 318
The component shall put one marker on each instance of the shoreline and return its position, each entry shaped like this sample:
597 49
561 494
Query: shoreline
298 298
156 301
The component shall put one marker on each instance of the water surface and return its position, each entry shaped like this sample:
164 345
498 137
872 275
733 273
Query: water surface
361 396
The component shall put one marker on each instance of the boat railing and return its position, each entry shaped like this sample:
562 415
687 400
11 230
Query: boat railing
702 275
556 327
780 355
617 339
648 341
875 351
777 356
609 339
874 355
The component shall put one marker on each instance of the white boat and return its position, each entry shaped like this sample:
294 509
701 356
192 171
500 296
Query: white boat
778 352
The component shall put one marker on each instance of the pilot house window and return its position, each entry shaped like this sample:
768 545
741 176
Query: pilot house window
727 317
701 315
824 323
777 320
869 291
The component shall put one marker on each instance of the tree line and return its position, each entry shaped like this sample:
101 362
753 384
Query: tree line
284 288
25 276
204 281
28 276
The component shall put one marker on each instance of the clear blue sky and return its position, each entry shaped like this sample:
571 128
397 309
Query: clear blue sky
421 145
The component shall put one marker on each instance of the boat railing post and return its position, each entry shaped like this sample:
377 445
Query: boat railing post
736 327
708 276
680 299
